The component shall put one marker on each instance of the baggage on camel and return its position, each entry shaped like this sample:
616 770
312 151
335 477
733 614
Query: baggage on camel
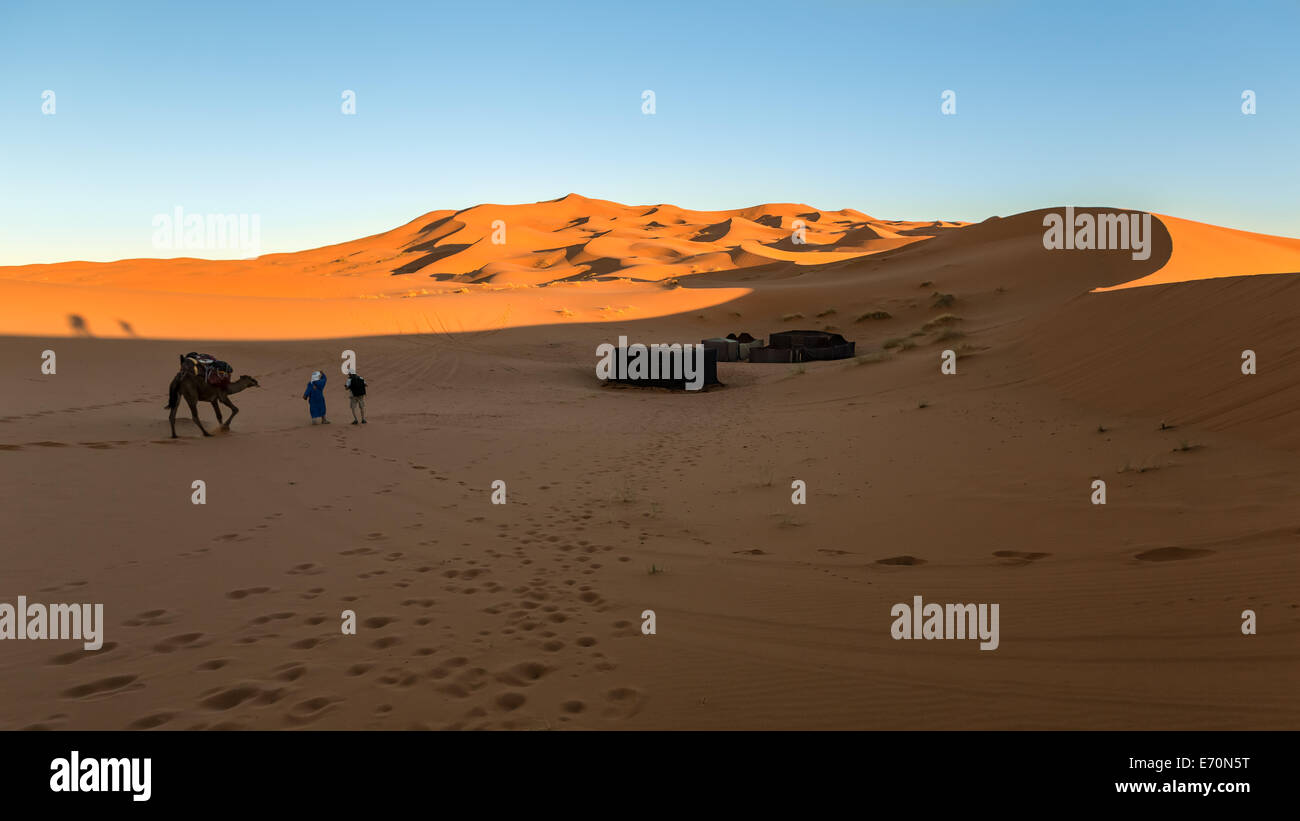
214 371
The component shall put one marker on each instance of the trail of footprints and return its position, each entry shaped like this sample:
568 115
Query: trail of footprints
556 616
548 613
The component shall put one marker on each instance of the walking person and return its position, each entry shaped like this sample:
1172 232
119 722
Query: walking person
356 387
315 396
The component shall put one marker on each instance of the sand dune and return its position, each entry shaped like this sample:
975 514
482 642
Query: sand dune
440 264
966 488
1203 251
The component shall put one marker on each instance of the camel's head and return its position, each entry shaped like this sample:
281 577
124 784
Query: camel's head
249 381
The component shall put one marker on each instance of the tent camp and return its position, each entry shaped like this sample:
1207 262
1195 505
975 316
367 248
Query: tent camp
733 347
803 346
661 366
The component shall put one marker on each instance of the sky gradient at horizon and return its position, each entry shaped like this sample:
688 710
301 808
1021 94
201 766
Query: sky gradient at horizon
236 109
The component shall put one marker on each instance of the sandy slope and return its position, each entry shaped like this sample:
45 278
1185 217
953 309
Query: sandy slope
1212 252
571 258
769 615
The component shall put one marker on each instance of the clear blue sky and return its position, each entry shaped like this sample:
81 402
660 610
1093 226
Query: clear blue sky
234 107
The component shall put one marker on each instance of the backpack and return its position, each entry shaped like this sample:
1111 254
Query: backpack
356 385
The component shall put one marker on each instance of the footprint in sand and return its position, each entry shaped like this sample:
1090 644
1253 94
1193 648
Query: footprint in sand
78 655
177 642
290 672
231 697
624 702
396 678
151 618
510 701
905 561
240 594
149 722
523 674
623 628
272 617
311 709
50 723
452 689
1017 557
104 686
1170 554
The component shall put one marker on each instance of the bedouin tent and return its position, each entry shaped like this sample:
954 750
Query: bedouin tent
803 346
728 349
733 348
674 361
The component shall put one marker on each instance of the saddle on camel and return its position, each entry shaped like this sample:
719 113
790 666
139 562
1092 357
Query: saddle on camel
214 371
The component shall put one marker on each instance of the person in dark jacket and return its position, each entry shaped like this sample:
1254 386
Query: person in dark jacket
356 388
315 396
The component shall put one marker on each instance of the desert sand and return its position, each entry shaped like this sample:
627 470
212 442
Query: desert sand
973 487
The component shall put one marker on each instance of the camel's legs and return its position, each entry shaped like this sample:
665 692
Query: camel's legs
225 400
217 410
194 412
171 418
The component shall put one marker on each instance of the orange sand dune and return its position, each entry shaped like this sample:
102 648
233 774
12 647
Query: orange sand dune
575 259
1202 251
485 266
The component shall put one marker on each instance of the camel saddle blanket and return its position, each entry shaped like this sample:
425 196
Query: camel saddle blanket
215 371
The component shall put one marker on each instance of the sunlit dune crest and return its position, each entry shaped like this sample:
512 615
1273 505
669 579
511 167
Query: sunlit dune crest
482 267
576 259
1202 251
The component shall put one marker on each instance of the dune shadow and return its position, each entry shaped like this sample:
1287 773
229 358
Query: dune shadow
441 252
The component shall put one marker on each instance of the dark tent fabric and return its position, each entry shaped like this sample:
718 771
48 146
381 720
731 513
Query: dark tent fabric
728 350
803 346
710 371
743 344
767 355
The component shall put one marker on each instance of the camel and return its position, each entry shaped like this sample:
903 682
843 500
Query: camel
194 388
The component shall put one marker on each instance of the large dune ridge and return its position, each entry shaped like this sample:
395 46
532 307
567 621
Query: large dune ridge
480 268
964 488
570 259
